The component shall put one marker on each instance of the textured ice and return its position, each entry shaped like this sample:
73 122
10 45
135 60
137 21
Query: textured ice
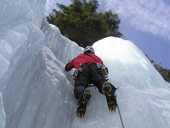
143 94
2 113
38 93
18 20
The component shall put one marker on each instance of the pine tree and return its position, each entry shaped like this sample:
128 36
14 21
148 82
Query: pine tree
81 22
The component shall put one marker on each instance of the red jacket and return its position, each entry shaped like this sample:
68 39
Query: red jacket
82 59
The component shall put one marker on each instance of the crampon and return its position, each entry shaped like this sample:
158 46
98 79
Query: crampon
81 110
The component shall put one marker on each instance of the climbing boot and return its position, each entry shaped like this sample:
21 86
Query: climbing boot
109 92
85 97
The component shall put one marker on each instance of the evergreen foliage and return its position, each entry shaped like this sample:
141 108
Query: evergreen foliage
163 71
81 22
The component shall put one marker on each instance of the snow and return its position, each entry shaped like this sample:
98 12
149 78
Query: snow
38 93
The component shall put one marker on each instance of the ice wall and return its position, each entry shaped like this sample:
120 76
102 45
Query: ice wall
2 113
18 20
63 48
128 62
143 95
33 83
35 87
37 92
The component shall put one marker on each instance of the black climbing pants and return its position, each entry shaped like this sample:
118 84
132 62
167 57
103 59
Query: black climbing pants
90 74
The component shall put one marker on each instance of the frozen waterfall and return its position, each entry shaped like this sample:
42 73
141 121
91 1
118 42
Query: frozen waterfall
38 93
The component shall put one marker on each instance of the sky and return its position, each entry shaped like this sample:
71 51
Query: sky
144 22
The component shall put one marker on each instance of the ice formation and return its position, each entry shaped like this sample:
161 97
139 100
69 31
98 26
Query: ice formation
38 93
2 113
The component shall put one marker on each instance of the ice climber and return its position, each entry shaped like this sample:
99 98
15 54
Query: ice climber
90 70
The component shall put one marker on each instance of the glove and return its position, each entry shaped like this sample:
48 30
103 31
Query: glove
66 69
